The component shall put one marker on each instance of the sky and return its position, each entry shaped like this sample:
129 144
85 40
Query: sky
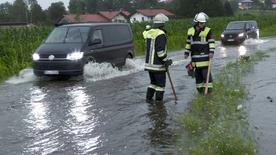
43 3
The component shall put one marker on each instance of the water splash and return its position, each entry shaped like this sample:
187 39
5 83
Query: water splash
25 75
102 71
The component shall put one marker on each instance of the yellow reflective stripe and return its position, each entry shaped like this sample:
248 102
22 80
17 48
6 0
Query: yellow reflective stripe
210 85
161 53
155 87
199 85
165 59
151 86
212 45
188 46
155 69
201 63
159 88
152 51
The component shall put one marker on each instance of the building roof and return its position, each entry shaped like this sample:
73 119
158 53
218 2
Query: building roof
85 18
153 12
111 14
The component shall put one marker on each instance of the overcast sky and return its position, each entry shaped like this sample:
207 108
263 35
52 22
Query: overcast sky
43 3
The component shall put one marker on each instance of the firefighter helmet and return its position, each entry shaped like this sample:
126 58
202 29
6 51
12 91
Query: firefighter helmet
148 27
201 17
160 18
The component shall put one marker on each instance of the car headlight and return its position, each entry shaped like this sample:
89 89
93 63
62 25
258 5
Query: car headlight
74 56
36 57
241 35
222 35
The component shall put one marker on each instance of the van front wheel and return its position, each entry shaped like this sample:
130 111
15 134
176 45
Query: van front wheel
129 56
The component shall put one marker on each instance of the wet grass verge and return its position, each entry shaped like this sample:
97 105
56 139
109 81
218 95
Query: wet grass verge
216 124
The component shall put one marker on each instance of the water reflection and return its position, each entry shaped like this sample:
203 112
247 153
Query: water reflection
83 121
37 117
38 123
161 136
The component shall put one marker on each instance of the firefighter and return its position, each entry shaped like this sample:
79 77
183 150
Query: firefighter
200 45
156 59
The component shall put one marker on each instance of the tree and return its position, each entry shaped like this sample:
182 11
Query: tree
19 11
91 6
228 9
77 6
188 8
4 12
56 11
268 4
37 14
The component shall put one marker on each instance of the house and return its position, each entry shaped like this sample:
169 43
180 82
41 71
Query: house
146 15
245 4
100 17
273 2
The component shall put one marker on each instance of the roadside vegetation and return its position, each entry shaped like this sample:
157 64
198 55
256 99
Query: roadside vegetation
216 124
18 44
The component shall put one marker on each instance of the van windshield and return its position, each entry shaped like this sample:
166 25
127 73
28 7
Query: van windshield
235 26
68 35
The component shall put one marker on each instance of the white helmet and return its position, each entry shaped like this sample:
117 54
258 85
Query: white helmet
201 17
160 18
147 27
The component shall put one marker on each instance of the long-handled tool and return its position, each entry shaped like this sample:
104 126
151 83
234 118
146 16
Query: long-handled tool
169 76
208 77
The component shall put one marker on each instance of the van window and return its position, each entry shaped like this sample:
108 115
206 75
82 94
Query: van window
57 35
68 34
77 34
116 34
97 34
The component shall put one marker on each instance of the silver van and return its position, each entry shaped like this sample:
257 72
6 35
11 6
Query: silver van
69 47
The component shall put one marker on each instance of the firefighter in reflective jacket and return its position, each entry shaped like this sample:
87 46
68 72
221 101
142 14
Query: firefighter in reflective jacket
156 58
201 45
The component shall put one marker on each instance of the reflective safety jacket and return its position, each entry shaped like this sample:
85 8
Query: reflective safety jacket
156 50
200 44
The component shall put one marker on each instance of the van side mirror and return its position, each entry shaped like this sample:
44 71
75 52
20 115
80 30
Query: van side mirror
96 41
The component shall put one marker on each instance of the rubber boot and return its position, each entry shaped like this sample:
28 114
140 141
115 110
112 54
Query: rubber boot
150 94
159 97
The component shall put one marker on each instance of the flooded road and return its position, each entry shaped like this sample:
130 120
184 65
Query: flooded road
261 105
102 113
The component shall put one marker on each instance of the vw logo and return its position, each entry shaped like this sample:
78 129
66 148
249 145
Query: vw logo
230 36
51 57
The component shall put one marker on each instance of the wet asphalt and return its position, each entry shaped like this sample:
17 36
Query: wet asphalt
106 114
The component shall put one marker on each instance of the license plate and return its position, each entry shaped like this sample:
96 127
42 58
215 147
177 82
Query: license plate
52 72
230 39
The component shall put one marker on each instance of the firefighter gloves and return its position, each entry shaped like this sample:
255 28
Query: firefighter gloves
168 63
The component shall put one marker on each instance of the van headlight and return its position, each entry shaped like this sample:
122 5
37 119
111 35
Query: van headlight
241 35
36 57
222 35
74 56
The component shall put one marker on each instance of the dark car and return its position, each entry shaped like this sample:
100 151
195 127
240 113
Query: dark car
237 31
69 47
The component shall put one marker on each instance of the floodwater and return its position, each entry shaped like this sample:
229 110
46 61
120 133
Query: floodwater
102 113
261 105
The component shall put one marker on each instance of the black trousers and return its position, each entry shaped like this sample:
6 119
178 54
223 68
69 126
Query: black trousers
157 85
201 77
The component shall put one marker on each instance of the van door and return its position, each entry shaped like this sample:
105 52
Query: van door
118 38
96 49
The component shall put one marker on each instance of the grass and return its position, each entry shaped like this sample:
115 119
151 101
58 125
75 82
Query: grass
216 124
